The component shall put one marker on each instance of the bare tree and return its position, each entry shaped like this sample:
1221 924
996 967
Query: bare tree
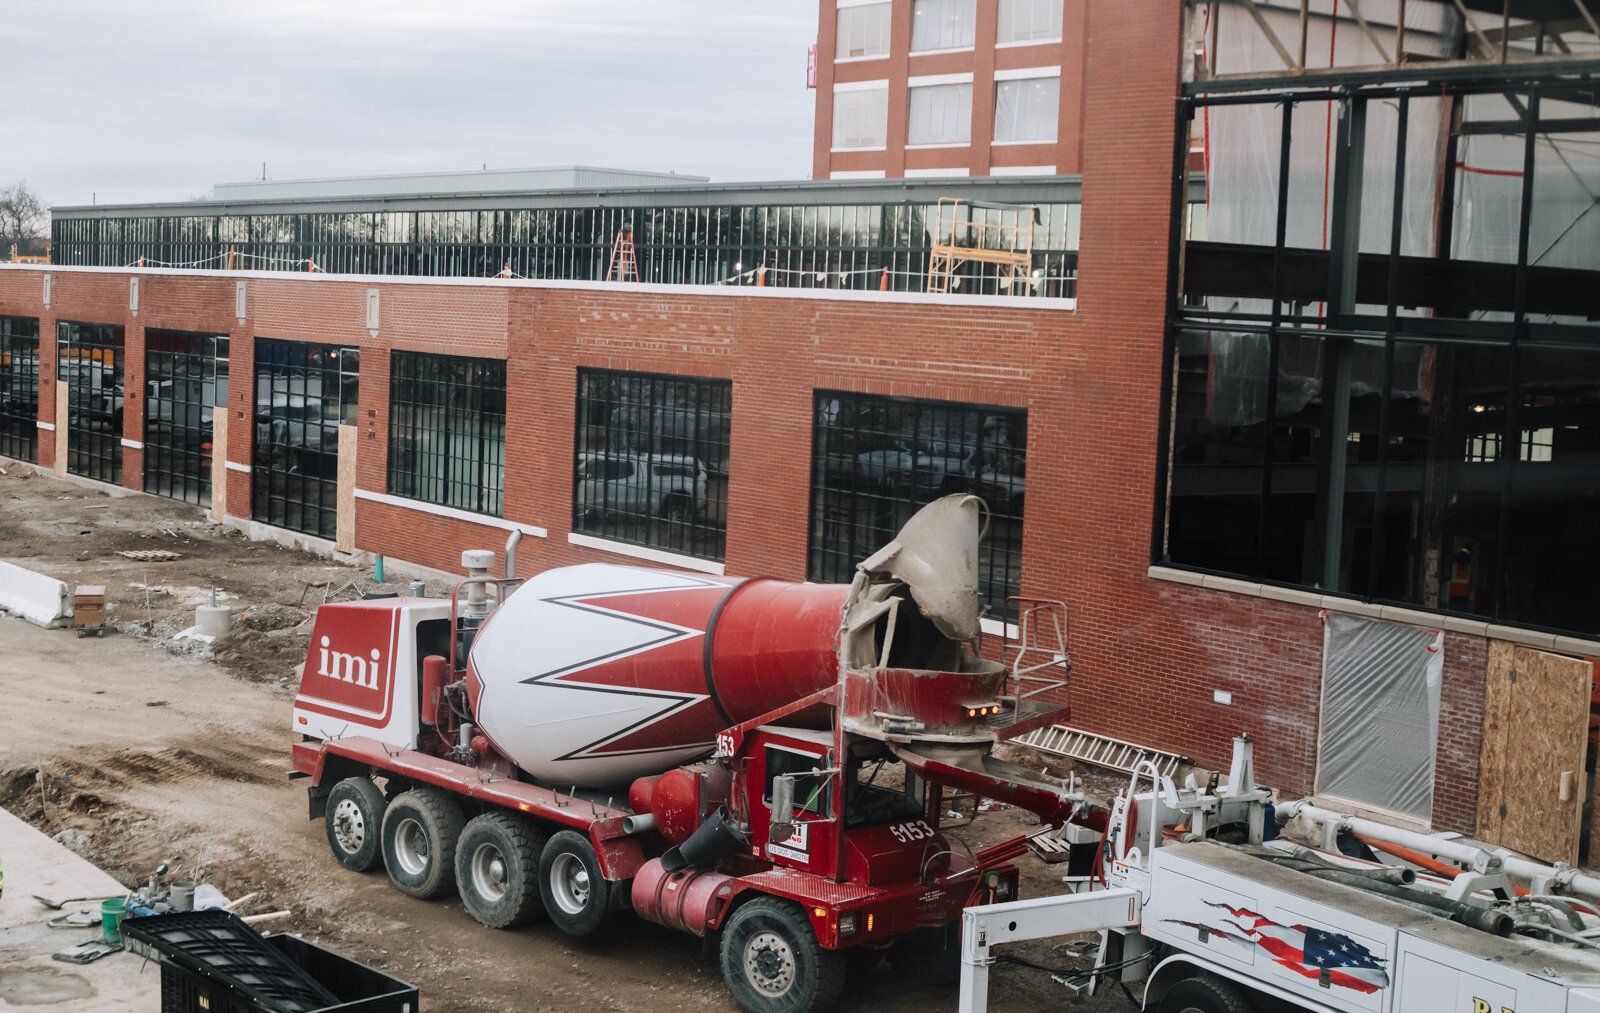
23 217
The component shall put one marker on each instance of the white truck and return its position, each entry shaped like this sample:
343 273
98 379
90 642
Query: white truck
1231 918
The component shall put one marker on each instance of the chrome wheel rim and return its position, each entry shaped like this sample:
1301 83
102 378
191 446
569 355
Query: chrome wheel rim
411 847
769 964
569 883
489 873
349 826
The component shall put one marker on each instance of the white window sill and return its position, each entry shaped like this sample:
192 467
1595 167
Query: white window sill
996 628
451 512
1020 144
940 52
935 147
846 151
1023 43
859 59
679 560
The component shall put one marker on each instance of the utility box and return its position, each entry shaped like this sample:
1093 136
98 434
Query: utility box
212 962
89 609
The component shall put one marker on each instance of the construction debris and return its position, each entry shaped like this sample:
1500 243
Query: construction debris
151 555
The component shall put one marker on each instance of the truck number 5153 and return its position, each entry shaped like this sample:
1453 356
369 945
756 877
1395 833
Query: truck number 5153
917 830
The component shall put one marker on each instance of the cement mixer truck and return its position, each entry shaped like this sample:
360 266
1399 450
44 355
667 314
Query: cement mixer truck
760 763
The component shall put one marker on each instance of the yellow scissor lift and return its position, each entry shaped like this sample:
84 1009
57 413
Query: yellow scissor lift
957 239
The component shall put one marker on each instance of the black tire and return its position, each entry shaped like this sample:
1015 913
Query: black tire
354 823
576 894
420 831
497 870
773 963
930 955
1204 993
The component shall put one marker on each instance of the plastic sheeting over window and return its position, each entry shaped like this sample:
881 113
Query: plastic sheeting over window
1380 714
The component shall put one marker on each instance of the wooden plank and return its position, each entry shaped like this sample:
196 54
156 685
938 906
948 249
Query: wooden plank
219 464
1492 759
61 427
1545 739
345 540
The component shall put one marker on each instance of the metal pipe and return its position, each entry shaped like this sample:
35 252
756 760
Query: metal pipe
638 823
1560 880
511 552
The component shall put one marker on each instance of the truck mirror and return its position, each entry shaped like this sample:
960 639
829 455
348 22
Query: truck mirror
782 812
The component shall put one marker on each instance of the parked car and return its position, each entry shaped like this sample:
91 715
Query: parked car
661 485
295 422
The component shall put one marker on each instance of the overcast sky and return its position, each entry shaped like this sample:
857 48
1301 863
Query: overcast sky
135 100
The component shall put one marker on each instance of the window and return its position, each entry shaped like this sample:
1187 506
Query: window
89 359
1029 21
811 791
860 117
652 462
863 31
447 430
879 788
1026 110
940 114
1380 714
877 460
186 380
19 388
942 24
303 393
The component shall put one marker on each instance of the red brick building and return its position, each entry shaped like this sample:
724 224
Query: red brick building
760 379
949 88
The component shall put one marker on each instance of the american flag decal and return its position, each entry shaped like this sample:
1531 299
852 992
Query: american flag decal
1331 959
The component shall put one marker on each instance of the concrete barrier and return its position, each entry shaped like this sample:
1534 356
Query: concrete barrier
33 596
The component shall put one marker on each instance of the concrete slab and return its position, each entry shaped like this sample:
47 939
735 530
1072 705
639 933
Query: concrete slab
29 979
33 596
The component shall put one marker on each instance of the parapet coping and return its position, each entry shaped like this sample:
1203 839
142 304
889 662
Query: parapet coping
1390 613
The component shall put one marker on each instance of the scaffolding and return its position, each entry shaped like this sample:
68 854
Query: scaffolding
960 237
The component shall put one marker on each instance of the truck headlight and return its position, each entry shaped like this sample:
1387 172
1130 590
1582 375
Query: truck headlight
847 924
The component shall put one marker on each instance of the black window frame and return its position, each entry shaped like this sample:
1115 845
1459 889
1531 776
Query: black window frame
19 388
186 381
94 417
860 467
466 394
294 456
671 431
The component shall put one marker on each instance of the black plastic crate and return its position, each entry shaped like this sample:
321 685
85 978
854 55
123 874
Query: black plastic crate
212 962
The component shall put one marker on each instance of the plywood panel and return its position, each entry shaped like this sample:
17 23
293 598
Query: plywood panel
219 464
345 540
61 427
1535 734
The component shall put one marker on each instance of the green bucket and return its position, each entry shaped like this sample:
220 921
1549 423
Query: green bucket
111 912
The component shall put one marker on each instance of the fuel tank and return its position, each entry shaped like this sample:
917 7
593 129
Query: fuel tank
594 675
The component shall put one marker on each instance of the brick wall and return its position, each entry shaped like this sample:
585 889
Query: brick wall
1148 654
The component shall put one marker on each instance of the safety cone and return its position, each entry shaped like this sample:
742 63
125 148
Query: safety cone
761 276
883 282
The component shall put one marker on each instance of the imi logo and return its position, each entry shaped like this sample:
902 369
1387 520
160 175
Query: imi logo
351 668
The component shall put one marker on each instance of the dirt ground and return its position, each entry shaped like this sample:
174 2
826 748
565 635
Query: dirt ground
145 751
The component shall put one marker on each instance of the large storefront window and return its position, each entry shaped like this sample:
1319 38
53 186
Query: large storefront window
877 460
19 388
652 465
186 379
447 430
303 393
89 360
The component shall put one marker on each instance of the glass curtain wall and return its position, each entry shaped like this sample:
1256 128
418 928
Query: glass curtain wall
186 380
89 360
877 460
652 464
447 430
841 246
19 388
303 393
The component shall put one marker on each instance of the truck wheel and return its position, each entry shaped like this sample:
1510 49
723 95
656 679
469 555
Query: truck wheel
930 955
576 895
773 963
497 870
1204 993
420 831
354 820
